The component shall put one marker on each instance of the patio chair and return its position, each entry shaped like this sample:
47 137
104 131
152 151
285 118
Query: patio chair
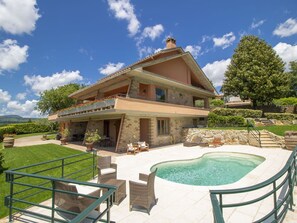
217 141
132 149
73 202
143 146
142 194
106 169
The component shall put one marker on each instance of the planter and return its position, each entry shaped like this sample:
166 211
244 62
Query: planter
63 141
291 139
8 142
89 146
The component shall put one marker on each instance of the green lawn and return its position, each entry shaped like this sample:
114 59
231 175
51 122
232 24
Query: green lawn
276 129
22 156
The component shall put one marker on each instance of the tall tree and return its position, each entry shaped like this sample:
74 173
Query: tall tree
293 79
256 72
56 99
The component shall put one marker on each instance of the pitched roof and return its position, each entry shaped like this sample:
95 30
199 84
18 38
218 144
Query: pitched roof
149 58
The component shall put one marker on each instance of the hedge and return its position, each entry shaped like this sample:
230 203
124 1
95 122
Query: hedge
215 120
281 116
6 130
23 128
246 113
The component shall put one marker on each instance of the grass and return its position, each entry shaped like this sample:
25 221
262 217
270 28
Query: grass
22 156
276 129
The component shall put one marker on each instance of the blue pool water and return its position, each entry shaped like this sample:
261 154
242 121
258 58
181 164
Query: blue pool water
209 170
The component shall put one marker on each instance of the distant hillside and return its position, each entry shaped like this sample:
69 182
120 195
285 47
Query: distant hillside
8 119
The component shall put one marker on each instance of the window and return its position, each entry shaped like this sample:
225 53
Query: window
163 126
160 94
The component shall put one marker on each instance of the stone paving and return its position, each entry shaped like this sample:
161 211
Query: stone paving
184 203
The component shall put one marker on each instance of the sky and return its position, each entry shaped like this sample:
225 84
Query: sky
49 43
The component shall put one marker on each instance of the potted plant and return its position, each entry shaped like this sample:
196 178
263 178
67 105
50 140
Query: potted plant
65 133
90 138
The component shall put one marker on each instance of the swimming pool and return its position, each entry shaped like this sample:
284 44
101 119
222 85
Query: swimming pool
211 169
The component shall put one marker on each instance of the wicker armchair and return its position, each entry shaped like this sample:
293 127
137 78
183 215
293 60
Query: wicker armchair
142 194
69 204
143 146
106 169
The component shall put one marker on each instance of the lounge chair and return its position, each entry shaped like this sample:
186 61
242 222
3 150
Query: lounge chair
143 146
217 141
106 169
142 194
70 204
132 149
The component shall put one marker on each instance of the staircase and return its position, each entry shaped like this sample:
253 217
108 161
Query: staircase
267 141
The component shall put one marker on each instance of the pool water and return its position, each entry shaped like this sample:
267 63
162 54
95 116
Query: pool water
209 170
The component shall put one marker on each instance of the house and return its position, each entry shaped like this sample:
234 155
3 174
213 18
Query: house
151 100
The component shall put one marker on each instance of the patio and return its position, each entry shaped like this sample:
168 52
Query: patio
185 203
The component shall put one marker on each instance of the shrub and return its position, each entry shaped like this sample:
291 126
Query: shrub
285 101
2 160
215 120
25 128
246 113
216 103
281 116
6 130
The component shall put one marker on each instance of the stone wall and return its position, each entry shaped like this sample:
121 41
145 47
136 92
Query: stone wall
174 95
231 137
131 131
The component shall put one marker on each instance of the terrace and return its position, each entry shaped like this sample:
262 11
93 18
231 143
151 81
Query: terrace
186 203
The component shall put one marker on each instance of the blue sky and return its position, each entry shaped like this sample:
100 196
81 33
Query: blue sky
46 44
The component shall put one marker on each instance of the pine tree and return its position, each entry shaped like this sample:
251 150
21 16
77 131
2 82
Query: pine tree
256 72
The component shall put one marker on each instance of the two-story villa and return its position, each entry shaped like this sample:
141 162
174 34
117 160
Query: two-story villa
150 100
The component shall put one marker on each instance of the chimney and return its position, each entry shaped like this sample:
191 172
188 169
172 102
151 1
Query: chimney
170 43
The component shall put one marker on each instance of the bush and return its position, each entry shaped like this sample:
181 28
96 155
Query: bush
215 120
216 103
281 116
6 130
285 101
2 160
25 128
246 113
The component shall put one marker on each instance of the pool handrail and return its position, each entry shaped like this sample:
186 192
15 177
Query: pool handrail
290 179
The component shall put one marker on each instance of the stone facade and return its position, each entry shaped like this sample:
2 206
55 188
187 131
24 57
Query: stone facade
131 131
174 95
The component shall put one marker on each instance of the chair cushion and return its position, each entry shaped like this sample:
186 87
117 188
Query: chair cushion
107 171
142 144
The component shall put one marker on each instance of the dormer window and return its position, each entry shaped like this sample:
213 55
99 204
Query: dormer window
160 94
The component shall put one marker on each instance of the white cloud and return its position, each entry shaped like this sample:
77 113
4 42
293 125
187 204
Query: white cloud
21 96
39 84
124 10
4 96
26 109
153 32
18 16
110 68
12 55
288 28
224 41
287 52
257 24
215 71
194 50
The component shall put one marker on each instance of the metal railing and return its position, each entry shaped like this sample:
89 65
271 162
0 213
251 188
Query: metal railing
282 194
31 185
255 133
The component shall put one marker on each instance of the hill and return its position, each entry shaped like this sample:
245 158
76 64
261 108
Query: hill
8 119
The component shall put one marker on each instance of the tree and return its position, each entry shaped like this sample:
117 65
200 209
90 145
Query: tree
293 79
256 72
56 99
